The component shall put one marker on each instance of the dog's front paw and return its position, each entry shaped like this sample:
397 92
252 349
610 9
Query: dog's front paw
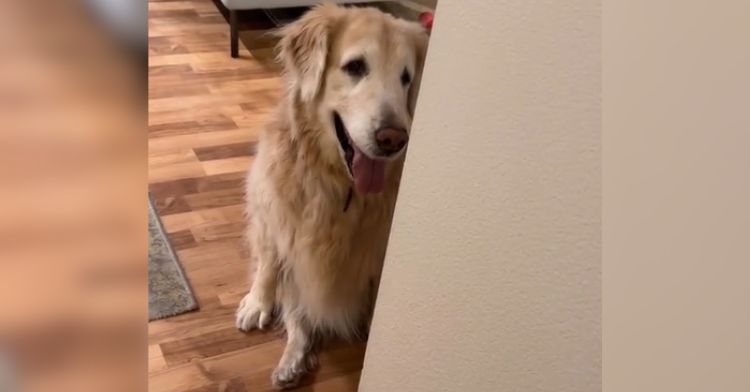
289 373
253 313
284 377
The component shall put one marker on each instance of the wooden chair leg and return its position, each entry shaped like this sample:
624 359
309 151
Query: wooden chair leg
234 36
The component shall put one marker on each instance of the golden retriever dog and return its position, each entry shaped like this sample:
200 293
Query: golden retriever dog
321 193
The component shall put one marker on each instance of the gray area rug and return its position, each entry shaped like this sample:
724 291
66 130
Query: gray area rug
169 292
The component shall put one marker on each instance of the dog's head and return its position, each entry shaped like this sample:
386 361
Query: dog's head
359 70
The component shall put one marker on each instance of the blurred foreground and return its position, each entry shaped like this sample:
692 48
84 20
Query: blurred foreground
72 199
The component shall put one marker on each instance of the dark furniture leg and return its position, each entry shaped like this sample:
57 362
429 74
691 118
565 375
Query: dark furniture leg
234 37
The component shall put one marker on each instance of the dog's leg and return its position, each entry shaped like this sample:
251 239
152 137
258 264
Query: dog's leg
256 308
299 356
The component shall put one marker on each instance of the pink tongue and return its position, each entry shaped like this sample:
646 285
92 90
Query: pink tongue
369 174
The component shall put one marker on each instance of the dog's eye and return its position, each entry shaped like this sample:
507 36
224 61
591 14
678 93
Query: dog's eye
356 68
405 77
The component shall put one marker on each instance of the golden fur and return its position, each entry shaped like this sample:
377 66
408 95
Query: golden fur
316 263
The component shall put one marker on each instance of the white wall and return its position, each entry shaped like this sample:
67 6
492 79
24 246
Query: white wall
492 278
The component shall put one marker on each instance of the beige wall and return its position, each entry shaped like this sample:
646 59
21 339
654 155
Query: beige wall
676 196
492 278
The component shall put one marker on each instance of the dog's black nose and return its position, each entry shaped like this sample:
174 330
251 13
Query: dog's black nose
391 140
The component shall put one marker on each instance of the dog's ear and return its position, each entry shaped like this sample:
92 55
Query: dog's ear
303 48
420 39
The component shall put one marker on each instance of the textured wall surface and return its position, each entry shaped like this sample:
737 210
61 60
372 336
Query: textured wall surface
676 217
492 279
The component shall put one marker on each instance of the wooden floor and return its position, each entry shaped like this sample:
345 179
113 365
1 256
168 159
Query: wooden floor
206 111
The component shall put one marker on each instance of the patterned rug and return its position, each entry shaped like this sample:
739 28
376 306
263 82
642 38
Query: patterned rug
169 292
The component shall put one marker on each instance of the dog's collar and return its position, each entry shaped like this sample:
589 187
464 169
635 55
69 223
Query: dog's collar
348 199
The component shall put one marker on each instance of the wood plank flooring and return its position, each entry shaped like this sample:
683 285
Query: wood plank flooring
205 113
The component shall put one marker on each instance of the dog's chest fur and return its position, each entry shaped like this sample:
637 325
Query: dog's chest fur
331 258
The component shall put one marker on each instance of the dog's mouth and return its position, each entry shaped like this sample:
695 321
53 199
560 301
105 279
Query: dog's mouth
367 173
344 141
